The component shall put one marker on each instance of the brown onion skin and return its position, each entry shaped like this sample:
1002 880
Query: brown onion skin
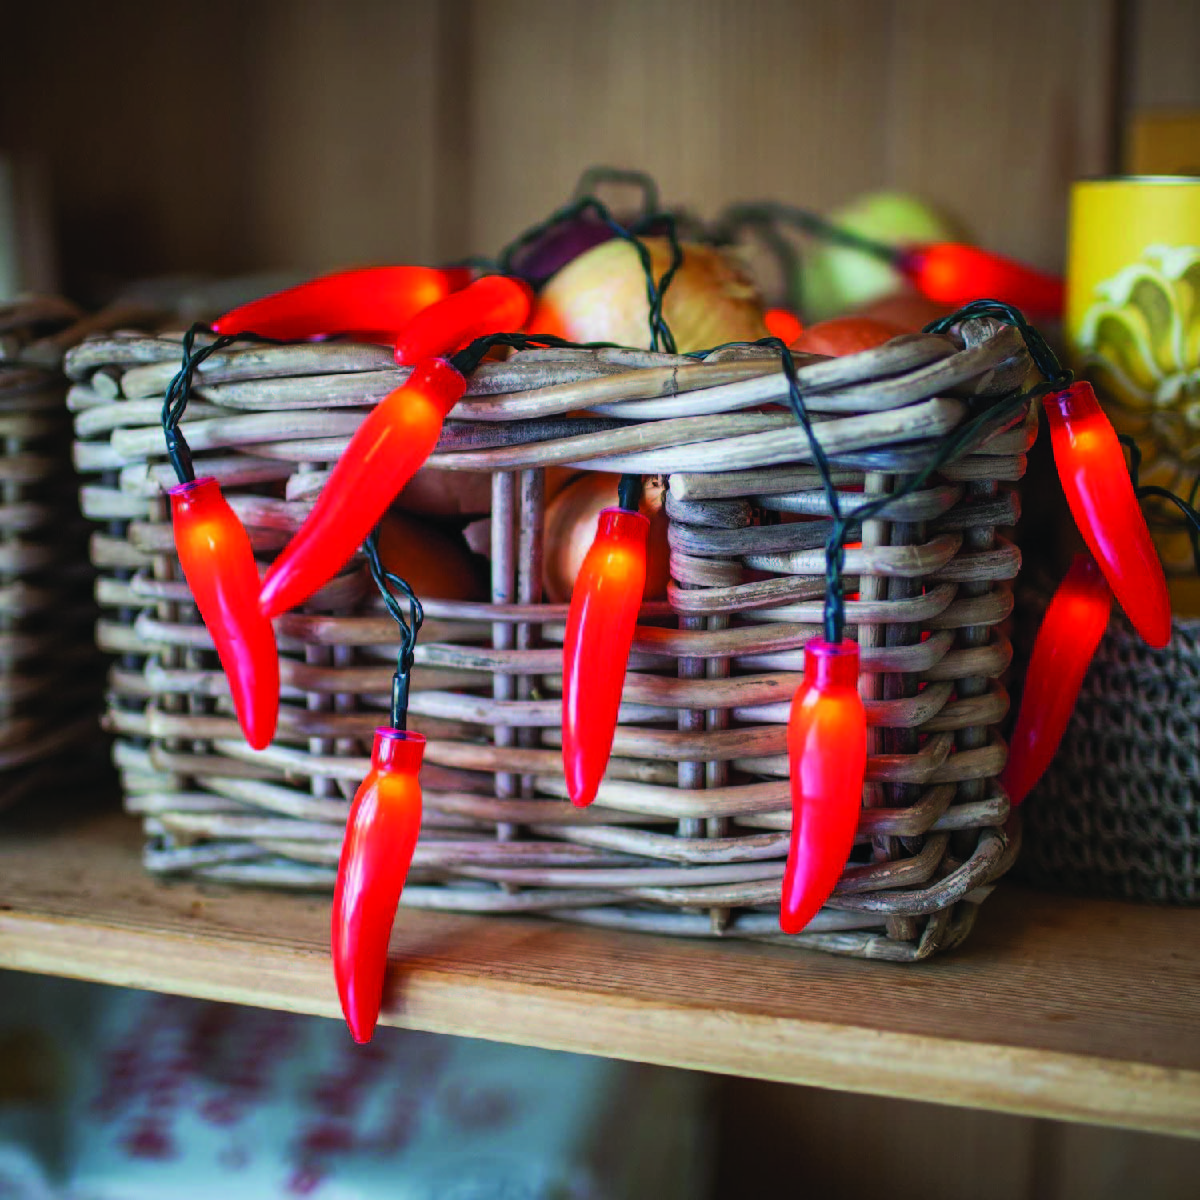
571 521
436 562
436 493
601 297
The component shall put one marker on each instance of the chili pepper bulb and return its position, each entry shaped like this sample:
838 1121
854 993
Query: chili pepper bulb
783 324
381 833
600 624
363 299
493 304
1095 479
955 274
218 564
1075 621
827 751
391 445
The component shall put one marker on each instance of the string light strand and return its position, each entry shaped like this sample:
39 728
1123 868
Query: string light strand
596 177
1186 507
995 414
179 391
388 583
1043 357
770 213
661 337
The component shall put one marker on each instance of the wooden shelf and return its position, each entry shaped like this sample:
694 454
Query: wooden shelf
1080 1010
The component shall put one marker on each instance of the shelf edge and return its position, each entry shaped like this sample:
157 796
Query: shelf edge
849 1058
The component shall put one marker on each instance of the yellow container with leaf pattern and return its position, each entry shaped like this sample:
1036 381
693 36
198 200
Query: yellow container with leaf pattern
1133 322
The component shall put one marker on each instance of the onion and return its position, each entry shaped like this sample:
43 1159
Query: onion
601 297
566 240
437 493
478 534
432 561
571 521
557 246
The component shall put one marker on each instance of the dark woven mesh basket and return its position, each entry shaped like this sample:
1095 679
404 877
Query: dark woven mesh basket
1118 812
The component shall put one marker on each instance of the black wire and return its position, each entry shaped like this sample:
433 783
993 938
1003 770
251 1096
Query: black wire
471 355
410 627
1043 357
174 404
1135 457
783 249
467 359
1186 507
179 391
835 551
595 177
661 337
740 216
629 492
948 449
770 213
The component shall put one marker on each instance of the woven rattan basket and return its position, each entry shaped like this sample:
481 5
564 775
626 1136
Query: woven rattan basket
689 834
1118 812
51 677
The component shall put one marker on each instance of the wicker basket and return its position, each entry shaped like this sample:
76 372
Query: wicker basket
51 676
1118 812
689 834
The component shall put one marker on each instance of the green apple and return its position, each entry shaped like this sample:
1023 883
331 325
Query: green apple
836 279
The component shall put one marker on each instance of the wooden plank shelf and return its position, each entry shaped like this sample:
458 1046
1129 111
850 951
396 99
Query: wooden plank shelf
1066 1008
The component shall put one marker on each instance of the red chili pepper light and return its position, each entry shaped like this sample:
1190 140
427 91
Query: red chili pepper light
1071 630
381 833
367 298
782 324
600 624
955 274
219 567
827 749
492 304
389 448
1091 467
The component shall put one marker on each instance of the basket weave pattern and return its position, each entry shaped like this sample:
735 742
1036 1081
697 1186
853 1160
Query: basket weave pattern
1118 812
690 830
50 674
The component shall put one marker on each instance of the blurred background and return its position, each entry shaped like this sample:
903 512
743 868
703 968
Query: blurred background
111 1094
242 136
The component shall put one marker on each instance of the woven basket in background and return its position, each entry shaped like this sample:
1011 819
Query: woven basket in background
51 676
1118 812
690 830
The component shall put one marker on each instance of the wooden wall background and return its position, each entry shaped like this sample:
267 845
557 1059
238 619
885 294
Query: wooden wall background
240 135
243 135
